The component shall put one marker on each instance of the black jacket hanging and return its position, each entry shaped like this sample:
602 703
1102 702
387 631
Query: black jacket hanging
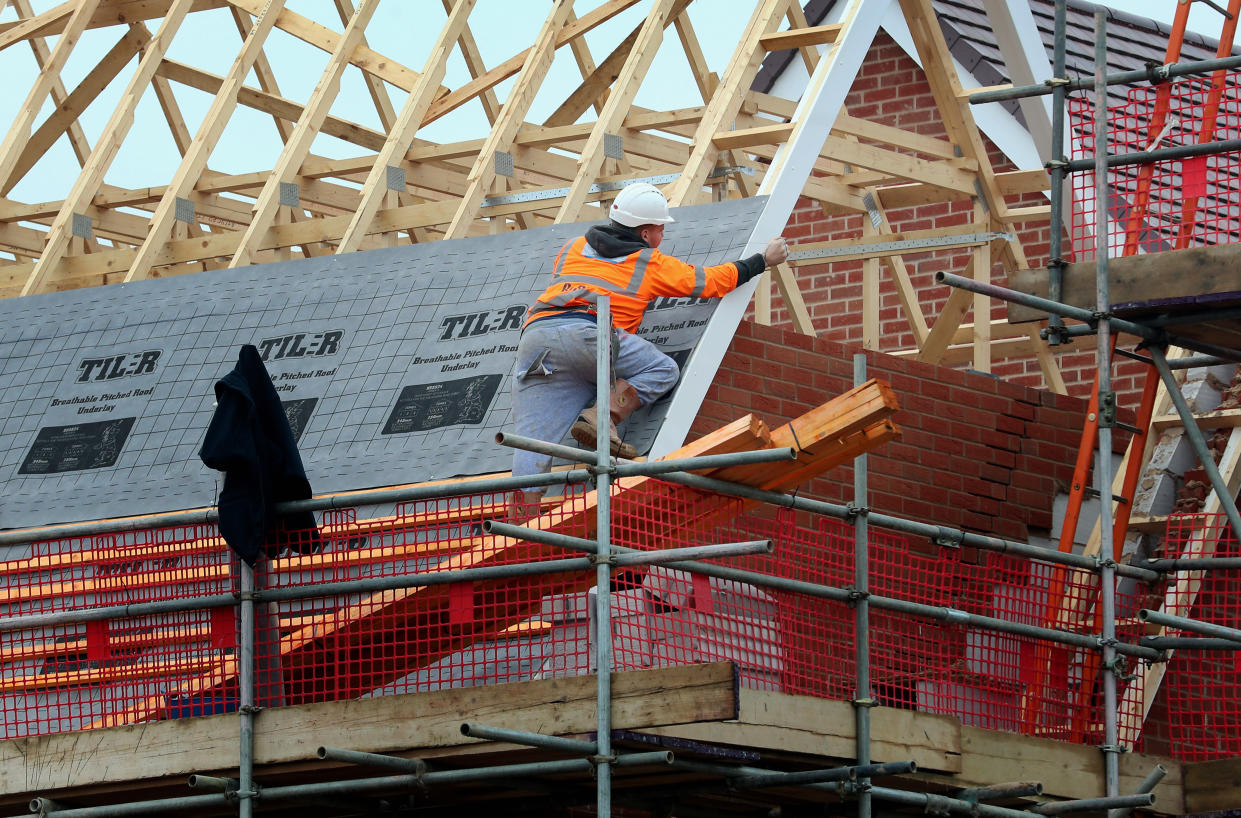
249 439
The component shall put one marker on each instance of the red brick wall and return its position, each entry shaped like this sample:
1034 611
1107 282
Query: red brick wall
976 452
890 88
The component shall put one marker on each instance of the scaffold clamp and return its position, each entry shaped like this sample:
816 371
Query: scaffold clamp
950 537
856 594
855 510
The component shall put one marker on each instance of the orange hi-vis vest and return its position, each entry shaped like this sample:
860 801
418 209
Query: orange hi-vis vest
633 281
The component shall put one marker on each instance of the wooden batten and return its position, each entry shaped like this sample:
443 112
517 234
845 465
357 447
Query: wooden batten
1155 277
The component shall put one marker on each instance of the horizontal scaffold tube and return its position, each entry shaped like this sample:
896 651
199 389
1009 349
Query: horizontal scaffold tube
1143 331
1155 73
209 516
1192 625
381 784
842 595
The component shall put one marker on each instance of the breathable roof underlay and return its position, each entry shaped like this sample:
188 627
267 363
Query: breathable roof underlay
393 365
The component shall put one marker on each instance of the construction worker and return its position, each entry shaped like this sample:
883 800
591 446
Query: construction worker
554 380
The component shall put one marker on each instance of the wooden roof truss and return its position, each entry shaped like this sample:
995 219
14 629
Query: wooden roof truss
398 186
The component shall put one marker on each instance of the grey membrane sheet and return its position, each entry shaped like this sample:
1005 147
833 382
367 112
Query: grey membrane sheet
394 367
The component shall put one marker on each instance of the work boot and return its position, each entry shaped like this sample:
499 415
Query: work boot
623 401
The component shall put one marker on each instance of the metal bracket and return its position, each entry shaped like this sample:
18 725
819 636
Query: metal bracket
949 538
80 226
613 146
856 510
394 177
728 170
504 163
1107 410
183 210
290 194
856 595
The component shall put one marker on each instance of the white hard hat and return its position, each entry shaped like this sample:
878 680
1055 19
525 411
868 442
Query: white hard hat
638 204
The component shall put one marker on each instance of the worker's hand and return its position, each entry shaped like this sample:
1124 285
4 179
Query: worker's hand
777 251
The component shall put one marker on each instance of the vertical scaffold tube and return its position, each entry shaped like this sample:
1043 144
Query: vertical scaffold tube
603 573
245 694
862 701
1055 251
1103 470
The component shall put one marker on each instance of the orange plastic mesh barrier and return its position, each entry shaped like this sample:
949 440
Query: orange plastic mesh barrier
1174 203
539 625
1203 687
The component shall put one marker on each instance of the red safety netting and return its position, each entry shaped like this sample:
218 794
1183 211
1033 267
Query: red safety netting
1170 204
70 676
1203 687
540 623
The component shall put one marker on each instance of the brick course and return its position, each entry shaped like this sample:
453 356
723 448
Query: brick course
975 452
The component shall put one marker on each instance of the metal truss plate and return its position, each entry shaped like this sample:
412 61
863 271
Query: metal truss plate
894 247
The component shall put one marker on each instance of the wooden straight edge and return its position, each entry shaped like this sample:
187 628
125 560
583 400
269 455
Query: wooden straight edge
780 723
1067 771
1171 274
56 764
1211 786
16 594
360 528
271 103
1001 349
159 636
954 174
800 37
1217 419
725 101
749 137
106 675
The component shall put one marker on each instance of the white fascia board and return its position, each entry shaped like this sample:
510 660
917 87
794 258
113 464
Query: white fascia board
996 123
816 111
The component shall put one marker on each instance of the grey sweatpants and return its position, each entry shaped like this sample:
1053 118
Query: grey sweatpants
555 379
